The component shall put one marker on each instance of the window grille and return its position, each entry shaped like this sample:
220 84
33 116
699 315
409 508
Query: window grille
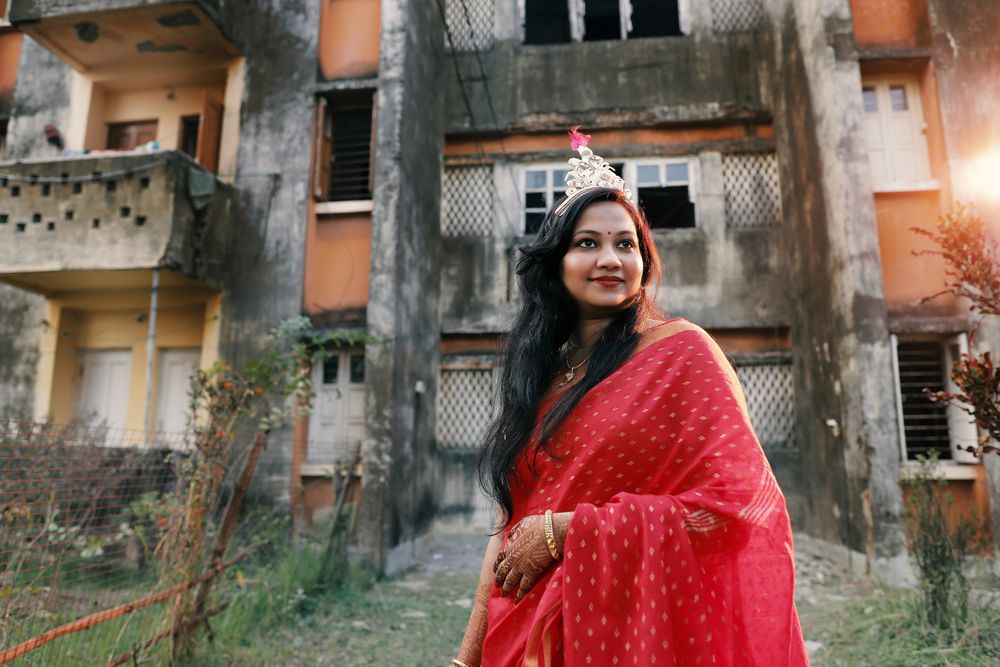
925 423
753 194
470 23
467 204
770 394
734 16
465 406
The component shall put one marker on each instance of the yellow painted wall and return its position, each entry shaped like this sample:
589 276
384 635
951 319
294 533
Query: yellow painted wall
109 330
109 106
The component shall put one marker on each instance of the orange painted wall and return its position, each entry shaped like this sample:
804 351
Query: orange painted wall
338 257
349 38
750 341
963 500
890 23
10 56
909 278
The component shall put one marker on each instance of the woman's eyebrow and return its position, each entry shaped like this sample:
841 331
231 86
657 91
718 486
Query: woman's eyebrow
592 231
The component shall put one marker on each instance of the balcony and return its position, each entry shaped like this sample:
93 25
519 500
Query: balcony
66 219
138 35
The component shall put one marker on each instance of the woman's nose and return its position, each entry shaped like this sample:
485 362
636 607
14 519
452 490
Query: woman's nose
608 258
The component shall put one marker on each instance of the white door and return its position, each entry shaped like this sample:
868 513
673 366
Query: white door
338 419
176 368
102 398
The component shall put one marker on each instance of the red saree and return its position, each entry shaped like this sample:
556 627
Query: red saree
679 551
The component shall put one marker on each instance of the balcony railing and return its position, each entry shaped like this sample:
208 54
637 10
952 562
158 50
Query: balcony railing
111 212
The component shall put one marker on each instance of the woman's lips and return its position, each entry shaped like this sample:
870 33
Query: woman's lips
609 282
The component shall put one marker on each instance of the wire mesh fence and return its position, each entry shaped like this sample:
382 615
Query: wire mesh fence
84 514
753 192
769 385
467 204
81 511
736 16
470 24
465 404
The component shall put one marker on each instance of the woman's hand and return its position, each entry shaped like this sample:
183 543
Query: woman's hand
526 556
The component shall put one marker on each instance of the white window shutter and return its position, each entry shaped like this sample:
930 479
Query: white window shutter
961 425
894 344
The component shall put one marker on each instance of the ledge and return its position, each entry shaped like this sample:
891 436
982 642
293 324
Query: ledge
948 471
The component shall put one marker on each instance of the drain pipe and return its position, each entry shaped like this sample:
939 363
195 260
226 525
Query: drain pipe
151 351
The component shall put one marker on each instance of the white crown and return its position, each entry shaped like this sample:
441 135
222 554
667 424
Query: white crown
590 171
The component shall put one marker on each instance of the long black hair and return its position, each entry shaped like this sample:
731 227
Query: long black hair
529 355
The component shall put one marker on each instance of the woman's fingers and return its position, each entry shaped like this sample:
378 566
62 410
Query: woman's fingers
527 583
502 569
511 581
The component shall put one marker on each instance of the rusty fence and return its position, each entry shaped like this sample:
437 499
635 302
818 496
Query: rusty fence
82 512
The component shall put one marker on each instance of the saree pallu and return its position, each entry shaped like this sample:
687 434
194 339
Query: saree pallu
679 551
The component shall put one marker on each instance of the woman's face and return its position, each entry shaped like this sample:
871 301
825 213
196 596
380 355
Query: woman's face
602 269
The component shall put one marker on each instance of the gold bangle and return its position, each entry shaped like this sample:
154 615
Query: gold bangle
458 663
550 536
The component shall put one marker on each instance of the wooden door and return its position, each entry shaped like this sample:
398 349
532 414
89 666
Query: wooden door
174 382
102 398
210 133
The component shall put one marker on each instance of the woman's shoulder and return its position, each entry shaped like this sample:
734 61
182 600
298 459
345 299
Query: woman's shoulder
657 330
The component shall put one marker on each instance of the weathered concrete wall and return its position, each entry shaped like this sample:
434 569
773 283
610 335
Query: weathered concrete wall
160 211
398 497
846 418
41 95
22 316
608 84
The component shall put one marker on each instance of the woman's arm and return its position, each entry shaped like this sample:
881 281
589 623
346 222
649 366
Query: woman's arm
472 643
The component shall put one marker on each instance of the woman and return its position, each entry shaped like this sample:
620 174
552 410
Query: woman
642 523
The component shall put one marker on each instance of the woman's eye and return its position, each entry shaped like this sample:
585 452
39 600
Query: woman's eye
627 244
586 243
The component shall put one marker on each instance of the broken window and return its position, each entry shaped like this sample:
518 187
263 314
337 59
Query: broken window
344 147
664 193
546 22
655 18
561 21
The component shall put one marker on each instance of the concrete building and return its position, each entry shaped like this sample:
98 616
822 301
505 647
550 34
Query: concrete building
374 164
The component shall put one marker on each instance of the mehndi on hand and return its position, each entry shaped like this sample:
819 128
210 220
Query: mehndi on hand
525 558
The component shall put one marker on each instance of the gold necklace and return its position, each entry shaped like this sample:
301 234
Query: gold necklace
571 372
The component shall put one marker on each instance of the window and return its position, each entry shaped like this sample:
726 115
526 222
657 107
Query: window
129 136
344 147
563 21
927 426
664 189
894 133
542 186
664 193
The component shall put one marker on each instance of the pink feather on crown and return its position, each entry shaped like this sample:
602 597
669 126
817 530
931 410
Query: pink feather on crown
578 140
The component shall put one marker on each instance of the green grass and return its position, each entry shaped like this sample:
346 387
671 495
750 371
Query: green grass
877 628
